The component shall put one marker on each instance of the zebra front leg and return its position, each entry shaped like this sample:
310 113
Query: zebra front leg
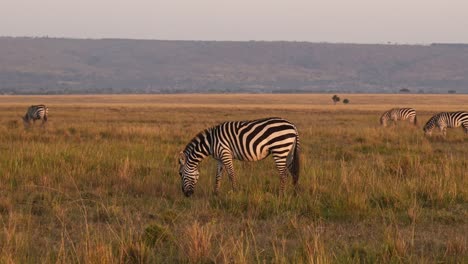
444 131
219 174
232 177
227 162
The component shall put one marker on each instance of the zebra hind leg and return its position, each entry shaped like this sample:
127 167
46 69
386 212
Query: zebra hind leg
44 121
293 164
465 127
281 166
283 176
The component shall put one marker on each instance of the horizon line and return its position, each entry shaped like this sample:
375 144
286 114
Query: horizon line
246 41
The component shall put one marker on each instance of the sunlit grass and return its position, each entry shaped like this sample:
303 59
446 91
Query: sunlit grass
99 184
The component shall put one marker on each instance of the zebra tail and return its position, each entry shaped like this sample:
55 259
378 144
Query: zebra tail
294 162
415 120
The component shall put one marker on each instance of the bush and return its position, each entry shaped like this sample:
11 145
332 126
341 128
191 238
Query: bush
335 99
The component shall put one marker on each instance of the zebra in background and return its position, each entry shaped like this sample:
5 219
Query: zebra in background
447 119
396 114
242 140
35 112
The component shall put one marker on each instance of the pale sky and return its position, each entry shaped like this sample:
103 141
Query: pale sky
355 21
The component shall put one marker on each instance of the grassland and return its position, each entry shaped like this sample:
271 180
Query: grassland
99 184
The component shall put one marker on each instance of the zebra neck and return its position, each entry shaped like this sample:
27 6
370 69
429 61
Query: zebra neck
199 148
194 158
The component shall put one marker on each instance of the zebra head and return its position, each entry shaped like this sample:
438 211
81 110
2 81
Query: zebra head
188 174
428 127
383 119
382 122
25 121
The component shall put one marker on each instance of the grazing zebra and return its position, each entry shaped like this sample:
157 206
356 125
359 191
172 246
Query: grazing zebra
242 140
35 112
447 119
396 114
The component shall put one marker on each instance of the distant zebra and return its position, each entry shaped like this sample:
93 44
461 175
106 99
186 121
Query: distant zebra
447 119
35 112
242 140
396 114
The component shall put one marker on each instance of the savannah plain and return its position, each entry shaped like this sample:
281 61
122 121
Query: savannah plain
100 183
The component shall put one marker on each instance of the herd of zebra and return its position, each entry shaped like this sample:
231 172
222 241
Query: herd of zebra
442 120
256 139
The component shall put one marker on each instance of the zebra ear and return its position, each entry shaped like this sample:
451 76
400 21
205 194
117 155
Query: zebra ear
181 158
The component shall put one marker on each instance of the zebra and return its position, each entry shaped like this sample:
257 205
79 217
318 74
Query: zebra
447 119
35 112
396 114
242 140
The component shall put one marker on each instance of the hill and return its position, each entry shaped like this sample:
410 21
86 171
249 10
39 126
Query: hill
63 66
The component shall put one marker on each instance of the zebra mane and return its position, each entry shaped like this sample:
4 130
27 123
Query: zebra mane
202 139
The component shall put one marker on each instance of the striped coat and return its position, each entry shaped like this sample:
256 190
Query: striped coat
242 140
446 120
397 114
35 112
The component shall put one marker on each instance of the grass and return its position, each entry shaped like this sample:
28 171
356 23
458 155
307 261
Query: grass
100 183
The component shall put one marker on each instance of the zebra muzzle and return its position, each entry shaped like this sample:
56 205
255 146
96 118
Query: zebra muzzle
188 193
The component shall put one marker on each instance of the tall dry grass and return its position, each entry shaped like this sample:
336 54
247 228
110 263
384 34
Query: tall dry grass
99 184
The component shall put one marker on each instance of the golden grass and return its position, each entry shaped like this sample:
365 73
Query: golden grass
99 184
283 101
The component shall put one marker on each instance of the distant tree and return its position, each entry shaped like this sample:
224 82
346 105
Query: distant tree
346 101
452 91
335 99
404 90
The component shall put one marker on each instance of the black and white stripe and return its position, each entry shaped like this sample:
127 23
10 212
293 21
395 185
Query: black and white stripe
242 140
446 120
396 114
36 112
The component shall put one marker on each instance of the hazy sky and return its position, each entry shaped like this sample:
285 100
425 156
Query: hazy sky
358 21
